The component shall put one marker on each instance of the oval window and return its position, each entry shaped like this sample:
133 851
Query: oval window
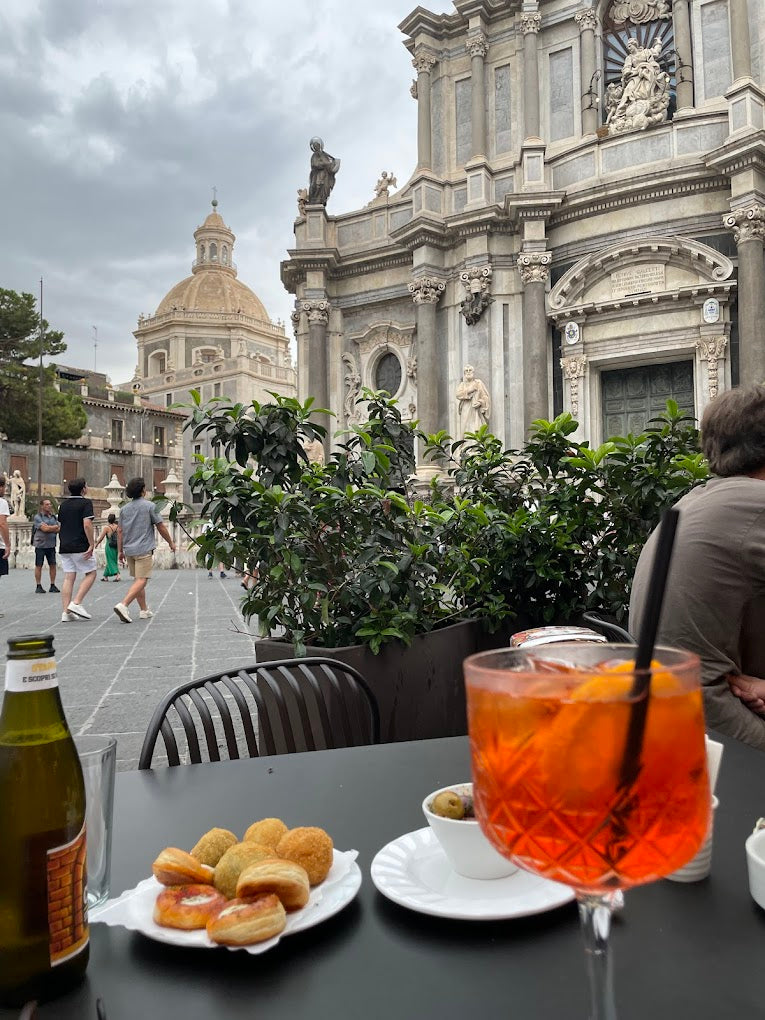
388 374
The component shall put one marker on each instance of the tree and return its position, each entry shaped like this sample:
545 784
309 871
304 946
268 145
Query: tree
63 414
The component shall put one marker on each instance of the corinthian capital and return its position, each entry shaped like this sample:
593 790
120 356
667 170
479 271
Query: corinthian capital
747 223
530 23
317 311
477 45
534 266
423 62
427 290
574 367
587 19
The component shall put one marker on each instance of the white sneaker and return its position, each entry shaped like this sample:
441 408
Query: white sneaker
123 612
66 617
78 610
146 614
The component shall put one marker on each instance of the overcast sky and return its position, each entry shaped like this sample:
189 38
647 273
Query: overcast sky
118 116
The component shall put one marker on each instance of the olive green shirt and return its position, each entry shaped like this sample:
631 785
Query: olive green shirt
715 599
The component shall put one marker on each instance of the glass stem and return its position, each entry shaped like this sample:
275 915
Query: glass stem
595 915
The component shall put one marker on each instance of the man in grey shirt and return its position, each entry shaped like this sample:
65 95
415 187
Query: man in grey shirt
715 593
136 540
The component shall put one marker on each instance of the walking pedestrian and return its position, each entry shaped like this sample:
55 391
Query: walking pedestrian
45 528
110 538
5 536
76 543
137 541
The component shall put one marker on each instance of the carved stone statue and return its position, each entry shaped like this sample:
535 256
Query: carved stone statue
18 494
641 98
387 181
473 402
352 382
302 200
323 170
314 451
476 282
639 12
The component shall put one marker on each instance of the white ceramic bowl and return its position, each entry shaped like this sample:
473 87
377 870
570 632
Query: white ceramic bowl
755 862
466 848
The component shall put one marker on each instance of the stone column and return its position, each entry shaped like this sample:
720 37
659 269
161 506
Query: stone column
740 43
478 46
534 268
587 20
318 385
683 54
426 293
530 24
748 226
423 63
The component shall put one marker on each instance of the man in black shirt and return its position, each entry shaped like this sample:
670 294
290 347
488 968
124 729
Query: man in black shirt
76 542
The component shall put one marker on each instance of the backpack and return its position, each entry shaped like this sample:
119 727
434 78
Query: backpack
112 540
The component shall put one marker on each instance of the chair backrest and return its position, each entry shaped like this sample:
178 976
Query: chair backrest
614 633
268 708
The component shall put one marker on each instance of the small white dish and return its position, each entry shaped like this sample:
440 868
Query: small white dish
755 863
467 849
414 872
134 909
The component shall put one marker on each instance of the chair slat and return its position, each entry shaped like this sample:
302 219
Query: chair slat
225 718
244 714
211 737
195 754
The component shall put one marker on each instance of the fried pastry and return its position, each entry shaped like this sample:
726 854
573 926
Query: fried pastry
176 867
213 845
309 847
242 922
267 831
188 907
285 879
234 861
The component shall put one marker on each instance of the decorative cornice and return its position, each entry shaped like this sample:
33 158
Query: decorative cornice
587 20
531 23
747 223
534 266
427 290
477 45
423 62
317 311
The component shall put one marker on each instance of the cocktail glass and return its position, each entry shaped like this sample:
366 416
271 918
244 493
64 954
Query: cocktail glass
556 789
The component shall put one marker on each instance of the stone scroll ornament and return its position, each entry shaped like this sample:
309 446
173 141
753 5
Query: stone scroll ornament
639 12
352 381
427 290
323 170
534 266
640 98
574 369
712 351
747 223
476 282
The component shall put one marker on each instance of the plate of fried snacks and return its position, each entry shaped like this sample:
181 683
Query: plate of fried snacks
239 893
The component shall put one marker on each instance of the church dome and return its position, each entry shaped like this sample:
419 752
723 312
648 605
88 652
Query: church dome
213 286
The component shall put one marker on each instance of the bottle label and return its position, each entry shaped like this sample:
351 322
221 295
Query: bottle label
30 674
67 868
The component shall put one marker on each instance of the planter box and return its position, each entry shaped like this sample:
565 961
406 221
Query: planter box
420 689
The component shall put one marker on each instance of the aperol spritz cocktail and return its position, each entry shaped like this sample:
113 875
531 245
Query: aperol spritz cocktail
552 787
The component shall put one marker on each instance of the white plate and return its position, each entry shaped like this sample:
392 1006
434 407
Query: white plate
414 872
134 908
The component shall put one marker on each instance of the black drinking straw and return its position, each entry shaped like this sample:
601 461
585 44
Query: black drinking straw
646 641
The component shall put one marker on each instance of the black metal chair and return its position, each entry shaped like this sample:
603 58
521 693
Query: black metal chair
268 708
614 633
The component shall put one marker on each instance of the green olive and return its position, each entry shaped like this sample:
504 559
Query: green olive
448 805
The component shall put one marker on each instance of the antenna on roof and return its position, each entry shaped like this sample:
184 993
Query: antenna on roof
215 197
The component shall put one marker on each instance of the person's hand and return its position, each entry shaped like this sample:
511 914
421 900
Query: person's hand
172 546
122 558
89 550
750 691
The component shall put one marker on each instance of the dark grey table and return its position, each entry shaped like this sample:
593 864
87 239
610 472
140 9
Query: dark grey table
680 950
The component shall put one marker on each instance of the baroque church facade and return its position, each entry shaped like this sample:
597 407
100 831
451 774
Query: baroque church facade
583 231
211 333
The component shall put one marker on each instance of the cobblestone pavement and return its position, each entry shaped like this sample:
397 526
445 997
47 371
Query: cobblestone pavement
112 674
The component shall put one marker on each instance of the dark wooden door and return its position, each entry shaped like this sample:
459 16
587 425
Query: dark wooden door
631 397
159 476
70 469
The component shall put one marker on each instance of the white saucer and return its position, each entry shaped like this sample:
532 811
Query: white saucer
413 872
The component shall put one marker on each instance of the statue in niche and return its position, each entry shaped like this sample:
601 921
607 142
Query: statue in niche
18 493
476 282
383 186
323 170
314 451
641 99
473 403
352 380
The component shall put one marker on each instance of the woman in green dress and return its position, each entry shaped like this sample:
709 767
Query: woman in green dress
109 535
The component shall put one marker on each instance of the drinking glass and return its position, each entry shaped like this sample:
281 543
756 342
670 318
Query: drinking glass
98 757
560 790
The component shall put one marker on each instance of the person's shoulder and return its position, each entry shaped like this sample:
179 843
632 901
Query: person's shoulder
38 519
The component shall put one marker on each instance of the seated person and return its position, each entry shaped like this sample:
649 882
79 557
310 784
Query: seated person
715 598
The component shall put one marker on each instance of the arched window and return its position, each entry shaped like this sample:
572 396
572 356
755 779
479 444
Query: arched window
202 253
158 363
388 374
224 255
616 38
213 251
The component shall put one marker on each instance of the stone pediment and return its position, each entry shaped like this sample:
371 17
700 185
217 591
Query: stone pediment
383 334
634 270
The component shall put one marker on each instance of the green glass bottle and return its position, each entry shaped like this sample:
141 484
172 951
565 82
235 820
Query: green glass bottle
43 863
